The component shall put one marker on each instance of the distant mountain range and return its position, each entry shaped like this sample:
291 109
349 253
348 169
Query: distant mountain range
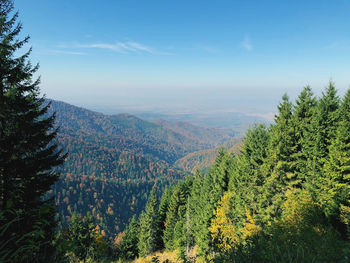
115 160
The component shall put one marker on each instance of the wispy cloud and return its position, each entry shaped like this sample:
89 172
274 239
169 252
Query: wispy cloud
61 52
120 47
247 43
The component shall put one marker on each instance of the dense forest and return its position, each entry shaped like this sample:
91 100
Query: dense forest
283 198
114 161
70 179
202 160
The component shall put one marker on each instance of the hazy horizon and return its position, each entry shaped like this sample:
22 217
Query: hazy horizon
186 56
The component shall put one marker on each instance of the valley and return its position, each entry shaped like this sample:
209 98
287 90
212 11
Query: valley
115 160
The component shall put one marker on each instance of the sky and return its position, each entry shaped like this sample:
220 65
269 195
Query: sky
186 54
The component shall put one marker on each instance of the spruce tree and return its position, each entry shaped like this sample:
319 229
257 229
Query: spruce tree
149 227
214 186
162 212
335 182
28 149
247 181
81 236
279 167
324 127
128 246
175 217
303 114
193 208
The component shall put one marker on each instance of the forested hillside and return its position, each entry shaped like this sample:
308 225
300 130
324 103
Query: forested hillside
115 160
202 160
208 135
284 198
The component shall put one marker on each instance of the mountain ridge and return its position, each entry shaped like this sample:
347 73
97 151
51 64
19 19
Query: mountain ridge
115 160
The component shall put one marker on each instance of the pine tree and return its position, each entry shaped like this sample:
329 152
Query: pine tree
335 182
247 182
279 167
149 224
324 127
193 210
175 217
162 211
303 114
28 149
214 186
81 236
128 246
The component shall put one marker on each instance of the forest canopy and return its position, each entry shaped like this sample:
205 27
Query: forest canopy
283 198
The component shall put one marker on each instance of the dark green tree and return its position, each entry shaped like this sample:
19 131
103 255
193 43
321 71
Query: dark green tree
247 181
79 238
335 182
214 186
174 236
149 227
279 167
303 114
28 149
162 212
324 128
194 213
128 246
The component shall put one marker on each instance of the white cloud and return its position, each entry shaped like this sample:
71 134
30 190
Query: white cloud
121 47
247 44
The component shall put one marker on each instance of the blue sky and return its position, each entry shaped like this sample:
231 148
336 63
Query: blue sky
197 53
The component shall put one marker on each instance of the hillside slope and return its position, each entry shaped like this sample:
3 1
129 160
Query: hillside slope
202 160
115 160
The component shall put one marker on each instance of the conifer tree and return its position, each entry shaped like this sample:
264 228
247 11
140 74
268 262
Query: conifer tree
149 227
214 186
128 246
162 212
280 165
324 127
247 181
175 217
335 183
194 207
81 236
303 114
28 149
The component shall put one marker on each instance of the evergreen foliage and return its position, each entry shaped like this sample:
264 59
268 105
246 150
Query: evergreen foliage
81 240
128 247
149 227
283 198
162 213
175 230
28 150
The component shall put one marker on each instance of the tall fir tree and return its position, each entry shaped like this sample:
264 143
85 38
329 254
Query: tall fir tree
162 212
149 227
335 182
28 149
128 246
214 186
247 174
193 210
324 128
80 236
303 113
280 164
175 216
